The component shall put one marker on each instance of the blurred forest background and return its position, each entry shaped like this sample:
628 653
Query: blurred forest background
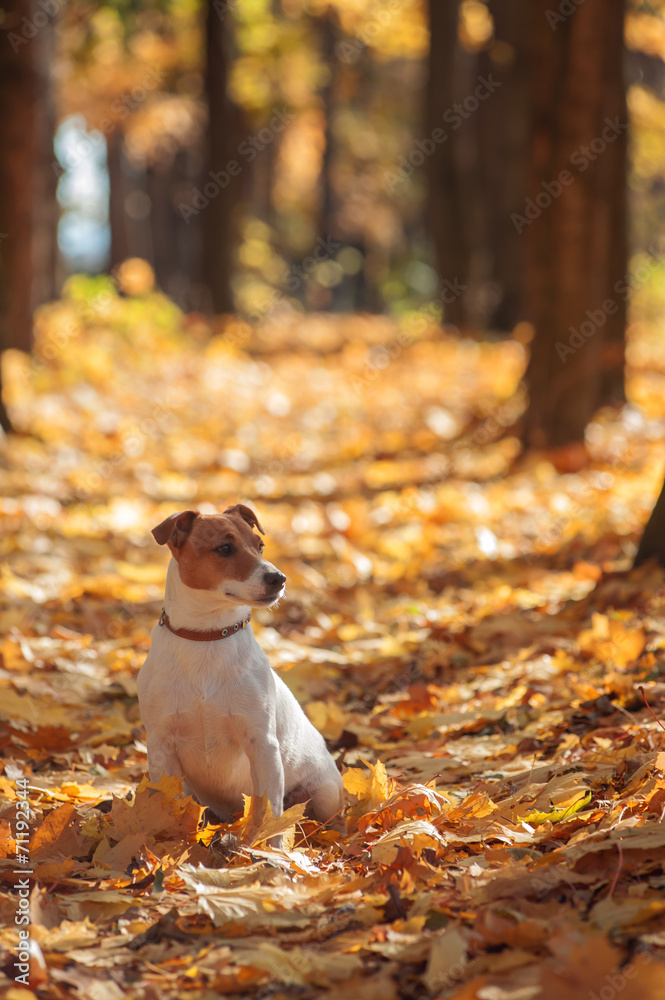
461 165
273 156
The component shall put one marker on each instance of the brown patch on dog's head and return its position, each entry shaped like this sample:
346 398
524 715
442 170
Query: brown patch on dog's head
247 515
212 548
175 529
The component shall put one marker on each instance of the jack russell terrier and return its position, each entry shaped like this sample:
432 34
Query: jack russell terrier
215 712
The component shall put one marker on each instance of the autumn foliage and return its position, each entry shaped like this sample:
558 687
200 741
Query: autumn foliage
461 624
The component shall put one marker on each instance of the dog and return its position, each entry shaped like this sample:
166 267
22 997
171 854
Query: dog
215 712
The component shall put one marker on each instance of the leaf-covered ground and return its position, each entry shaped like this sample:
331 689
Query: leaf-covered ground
461 624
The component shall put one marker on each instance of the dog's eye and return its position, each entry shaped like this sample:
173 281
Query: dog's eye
261 547
224 550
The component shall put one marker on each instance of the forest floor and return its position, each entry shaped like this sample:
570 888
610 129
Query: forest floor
462 625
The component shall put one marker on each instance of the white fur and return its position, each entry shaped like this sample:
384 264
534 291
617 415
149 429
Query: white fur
217 714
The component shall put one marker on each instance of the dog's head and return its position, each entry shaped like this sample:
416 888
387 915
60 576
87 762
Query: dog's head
221 553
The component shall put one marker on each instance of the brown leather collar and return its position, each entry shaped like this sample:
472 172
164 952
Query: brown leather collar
210 635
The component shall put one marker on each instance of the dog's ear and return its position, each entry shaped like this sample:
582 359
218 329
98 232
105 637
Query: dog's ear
247 514
175 528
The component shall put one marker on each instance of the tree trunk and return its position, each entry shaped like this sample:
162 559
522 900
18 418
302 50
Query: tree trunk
28 207
576 237
160 180
652 542
616 192
120 249
328 35
503 152
445 209
478 173
222 141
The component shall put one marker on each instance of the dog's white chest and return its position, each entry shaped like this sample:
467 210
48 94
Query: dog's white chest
204 725
201 703
197 713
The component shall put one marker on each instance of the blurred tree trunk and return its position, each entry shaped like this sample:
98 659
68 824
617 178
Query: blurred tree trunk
576 238
503 151
169 243
615 194
160 180
329 35
120 249
28 207
176 246
478 172
222 141
652 542
445 212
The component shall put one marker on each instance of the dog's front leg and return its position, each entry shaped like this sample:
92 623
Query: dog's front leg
267 772
162 761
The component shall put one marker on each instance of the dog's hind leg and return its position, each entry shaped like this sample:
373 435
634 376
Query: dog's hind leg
327 800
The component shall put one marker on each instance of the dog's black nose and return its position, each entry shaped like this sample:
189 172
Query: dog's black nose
275 580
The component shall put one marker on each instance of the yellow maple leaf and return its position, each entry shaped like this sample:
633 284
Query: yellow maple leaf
370 789
157 808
